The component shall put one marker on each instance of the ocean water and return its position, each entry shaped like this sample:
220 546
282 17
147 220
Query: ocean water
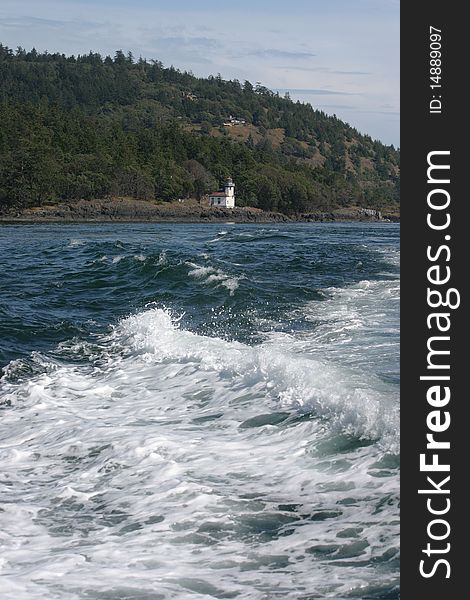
199 411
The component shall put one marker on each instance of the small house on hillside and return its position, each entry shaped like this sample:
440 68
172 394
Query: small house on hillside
224 197
234 121
189 95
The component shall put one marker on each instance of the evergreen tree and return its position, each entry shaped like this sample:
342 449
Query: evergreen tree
90 127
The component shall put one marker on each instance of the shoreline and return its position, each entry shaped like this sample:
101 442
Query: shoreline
140 211
10 221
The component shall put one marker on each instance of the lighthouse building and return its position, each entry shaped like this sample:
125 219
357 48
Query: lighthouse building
224 197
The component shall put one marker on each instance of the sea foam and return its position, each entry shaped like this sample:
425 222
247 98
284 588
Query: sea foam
131 468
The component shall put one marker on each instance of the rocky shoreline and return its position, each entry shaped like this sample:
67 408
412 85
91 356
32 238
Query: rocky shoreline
140 211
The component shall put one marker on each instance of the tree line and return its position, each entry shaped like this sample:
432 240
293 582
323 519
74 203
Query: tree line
76 127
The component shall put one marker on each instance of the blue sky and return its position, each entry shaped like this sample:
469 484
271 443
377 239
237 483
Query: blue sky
342 56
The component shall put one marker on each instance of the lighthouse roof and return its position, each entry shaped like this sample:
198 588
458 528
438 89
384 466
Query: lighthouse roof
217 194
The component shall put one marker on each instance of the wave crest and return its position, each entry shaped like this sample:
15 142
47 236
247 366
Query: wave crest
359 404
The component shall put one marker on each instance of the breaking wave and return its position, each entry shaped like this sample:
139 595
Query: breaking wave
201 420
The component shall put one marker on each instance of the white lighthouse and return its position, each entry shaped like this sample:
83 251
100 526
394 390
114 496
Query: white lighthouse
224 197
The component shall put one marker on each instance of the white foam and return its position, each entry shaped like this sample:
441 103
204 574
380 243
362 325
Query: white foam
357 325
145 470
74 242
295 381
211 276
162 258
390 255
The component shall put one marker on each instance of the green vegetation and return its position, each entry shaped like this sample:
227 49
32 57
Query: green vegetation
90 127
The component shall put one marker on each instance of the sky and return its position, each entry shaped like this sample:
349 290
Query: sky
341 56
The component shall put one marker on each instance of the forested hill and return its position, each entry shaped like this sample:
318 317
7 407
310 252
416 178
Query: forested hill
91 127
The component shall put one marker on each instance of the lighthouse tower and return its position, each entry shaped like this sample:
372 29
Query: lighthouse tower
229 189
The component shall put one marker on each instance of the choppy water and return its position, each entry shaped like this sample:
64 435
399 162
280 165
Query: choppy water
199 411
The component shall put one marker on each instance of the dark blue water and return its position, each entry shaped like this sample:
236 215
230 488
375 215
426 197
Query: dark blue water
200 410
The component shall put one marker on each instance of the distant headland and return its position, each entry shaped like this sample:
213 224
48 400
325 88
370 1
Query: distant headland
77 129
